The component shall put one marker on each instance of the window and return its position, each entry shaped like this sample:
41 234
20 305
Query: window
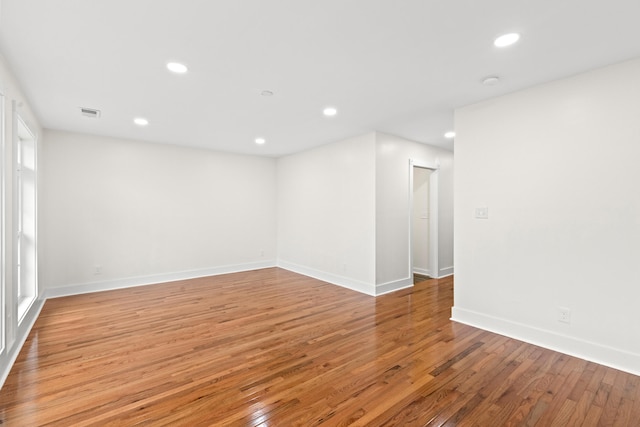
2 283
25 258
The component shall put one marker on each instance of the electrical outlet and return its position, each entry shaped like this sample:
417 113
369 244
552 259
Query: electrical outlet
564 315
482 213
97 270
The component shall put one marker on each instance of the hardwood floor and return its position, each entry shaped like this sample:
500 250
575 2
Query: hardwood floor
417 278
274 348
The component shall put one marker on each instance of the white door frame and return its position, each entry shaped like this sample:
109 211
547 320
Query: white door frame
433 215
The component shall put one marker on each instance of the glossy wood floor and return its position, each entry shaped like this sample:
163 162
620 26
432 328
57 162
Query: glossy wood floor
273 348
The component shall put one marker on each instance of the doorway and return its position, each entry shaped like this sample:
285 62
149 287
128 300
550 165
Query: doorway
423 227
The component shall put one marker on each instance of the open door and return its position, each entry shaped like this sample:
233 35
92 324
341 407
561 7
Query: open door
423 227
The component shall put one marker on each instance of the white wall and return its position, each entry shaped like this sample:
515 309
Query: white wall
420 217
141 212
557 166
344 211
393 191
14 97
326 213
116 213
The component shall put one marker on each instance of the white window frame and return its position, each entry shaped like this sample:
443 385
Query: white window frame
3 310
23 131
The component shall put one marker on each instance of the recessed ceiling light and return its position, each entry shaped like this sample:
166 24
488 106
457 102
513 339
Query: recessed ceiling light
450 135
177 67
260 141
141 121
266 93
506 40
330 111
491 80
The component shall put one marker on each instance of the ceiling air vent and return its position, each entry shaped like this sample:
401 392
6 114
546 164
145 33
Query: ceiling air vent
90 112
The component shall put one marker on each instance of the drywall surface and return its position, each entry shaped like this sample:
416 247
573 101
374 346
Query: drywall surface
557 168
128 210
326 213
393 213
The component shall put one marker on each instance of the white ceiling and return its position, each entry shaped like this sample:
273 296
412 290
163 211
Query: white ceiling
397 66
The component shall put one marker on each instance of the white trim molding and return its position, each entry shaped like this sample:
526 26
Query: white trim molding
445 272
334 279
422 271
434 188
21 337
396 285
108 285
586 350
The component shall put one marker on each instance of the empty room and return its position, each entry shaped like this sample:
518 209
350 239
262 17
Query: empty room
297 213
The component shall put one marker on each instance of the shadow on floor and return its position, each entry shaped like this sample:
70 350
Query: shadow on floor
417 278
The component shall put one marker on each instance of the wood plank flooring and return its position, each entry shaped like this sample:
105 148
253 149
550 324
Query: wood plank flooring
274 348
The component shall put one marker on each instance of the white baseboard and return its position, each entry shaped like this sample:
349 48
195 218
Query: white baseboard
345 282
422 271
396 285
21 336
593 352
334 279
107 285
445 272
